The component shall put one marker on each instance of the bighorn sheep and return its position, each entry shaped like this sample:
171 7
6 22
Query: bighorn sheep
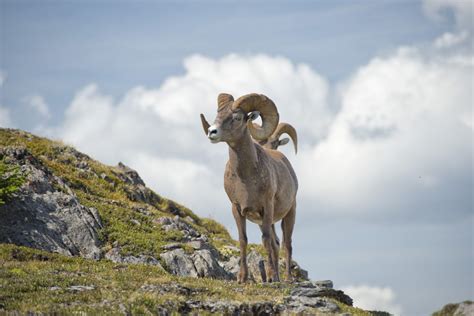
274 140
260 183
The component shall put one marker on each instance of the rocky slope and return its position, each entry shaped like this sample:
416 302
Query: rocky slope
465 308
74 206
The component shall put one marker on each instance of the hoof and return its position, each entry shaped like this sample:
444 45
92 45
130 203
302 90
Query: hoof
242 278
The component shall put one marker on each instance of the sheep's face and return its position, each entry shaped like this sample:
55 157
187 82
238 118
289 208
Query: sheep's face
229 125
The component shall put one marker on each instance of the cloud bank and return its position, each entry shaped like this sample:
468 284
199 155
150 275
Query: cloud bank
38 104
401 141
398 147
374 298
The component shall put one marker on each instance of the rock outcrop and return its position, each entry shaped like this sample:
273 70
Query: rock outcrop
465 308
203 260
306 298
45 213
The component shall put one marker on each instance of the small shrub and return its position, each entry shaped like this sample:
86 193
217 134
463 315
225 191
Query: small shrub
11 180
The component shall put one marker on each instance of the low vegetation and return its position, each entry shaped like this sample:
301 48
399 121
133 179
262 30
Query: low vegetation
34 280
11 180
129 224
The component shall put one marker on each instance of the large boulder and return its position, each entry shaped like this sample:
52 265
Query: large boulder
45 213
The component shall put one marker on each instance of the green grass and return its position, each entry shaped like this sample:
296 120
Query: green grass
11 179
101 188
34 280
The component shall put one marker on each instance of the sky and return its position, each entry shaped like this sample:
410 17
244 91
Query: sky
380 93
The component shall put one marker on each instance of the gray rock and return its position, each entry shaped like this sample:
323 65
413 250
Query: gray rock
179 263
128 175
306 290
135 222
299 304
189 219
81 288
198 244
115 256
465 309
232 266
171 246
200 263
54 288
169 288
176 223
327 284
206 265
255 263
46 214
136 189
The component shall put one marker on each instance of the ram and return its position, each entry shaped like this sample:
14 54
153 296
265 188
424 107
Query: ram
260 183
274 141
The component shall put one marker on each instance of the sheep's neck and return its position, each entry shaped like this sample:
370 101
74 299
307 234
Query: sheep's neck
243 155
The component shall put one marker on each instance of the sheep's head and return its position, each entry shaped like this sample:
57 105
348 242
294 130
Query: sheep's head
234 117
274 140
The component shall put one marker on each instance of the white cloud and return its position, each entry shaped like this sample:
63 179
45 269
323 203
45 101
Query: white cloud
450 39
37 103
400 140
374 298
5 120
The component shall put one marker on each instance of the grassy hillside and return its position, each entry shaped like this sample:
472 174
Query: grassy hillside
99 186
33 280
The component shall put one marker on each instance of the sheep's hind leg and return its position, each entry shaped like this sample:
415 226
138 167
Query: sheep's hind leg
287 225
269 242
242 228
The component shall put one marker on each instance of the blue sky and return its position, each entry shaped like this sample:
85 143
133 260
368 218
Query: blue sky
385 161
52 48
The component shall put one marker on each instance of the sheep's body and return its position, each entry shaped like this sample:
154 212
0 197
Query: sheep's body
260 183
271 177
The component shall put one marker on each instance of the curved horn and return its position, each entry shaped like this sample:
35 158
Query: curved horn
288 129
205 124
223 99
268 112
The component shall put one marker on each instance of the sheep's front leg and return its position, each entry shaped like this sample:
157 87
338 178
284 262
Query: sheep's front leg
269 242
242 228
287 225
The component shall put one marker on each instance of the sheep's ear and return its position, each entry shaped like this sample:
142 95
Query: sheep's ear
283 141
253 115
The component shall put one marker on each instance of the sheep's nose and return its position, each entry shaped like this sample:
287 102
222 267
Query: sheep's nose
212 131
